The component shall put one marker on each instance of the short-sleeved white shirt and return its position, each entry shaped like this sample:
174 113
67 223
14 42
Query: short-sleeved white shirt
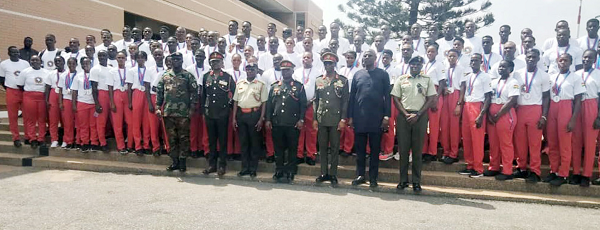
472 46
477 85
101 75
295 58
271 76
453 76
540 64
308 78
198 73
265 61
433 70
158 73
591 80
83 87
550 57
137 77
586 43
33 80
237 75
539 81
349 72
569 87
118 79
394 72
54 77
519 64
489 60
77 55
11 71
67 80
48 59
504 89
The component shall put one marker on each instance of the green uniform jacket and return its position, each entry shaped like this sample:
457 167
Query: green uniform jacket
331 100
176 94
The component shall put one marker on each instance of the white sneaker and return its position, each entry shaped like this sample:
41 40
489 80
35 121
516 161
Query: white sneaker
64 145
397 156
54 144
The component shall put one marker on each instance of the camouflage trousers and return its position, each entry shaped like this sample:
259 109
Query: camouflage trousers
178 133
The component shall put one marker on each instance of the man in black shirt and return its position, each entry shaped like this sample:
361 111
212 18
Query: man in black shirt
26 52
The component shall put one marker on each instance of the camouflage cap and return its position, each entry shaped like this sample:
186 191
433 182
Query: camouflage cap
285 64
329 57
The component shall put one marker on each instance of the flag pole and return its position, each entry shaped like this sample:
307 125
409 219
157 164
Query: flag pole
579 18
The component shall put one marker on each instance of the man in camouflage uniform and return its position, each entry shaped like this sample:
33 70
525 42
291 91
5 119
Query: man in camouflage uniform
331 104
286 108
176 98
218 91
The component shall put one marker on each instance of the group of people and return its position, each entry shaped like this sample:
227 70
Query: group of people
203 94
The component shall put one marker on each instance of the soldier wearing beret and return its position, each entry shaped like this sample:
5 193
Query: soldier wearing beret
248 113
412 94
176 98
286 108
218 91
330 106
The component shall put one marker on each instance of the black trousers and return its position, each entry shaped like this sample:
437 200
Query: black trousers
411 137
285 138
249 139
217 131
360 142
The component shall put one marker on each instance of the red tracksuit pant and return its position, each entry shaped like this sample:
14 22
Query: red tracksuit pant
502 150
86 123
559 140
233 139
387 139
584 138
308 136
54 117
268 142
528 138
102 118
14 101
119 117
34 114
140 114
68 116
347 139
198 133
154 126
450 128
431 139
473 137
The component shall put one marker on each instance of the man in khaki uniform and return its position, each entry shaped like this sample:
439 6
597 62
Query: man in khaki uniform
330 106
249 112
412 94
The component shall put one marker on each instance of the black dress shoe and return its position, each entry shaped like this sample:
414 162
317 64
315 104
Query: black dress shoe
533 178
270 159
182 164
201 153
243 173
502 177
558 181
174 165
27 142
104 148
252 174
490 173
237 157
290 177
299 160
585 182
417 187
402 186
322 178
17 143
277 176
309 161
550 177
449 160
333 180
373 183
221 171
518 173
575 179
209 170
359 180
34 144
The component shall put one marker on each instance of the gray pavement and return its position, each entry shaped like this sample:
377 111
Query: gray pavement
54 199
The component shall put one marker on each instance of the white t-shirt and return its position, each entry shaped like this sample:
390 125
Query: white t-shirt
566 86
499 49
182 47
54 77
33 80
118 79
434 71
591 80
308 78
271 76
198 73
131 63
265 61
78 55
472 46
349 74
532 83
489 60
394 72
477 85
137 77
540 64
101 75
519 64
237 75
112 63
294 57
504 89
230 39
123 45
454 76
552 43
158 74
392 45
586 43
11 70
48 59
67 80
551 56
83 85
444 46
419 46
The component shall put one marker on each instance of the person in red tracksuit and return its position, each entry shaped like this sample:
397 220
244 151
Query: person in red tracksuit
451 111
588 122
153 121
502 120
82 102
51 95
433 69
476 93
34 106
9 73
566 93
64 100
119 102
138 103
99 75
197 125
307 74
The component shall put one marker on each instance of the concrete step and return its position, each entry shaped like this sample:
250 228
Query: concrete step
53 162
390 175
16 159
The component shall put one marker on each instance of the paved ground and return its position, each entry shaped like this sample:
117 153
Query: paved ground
53 199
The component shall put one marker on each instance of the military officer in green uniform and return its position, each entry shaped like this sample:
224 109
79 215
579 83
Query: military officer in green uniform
286 107
176 98
249 110
412 94
331 104
217 95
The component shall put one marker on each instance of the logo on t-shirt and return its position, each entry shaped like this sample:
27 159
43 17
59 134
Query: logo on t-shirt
16 73
38 80
50 64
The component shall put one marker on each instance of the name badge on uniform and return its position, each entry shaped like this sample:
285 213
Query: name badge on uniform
223 83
